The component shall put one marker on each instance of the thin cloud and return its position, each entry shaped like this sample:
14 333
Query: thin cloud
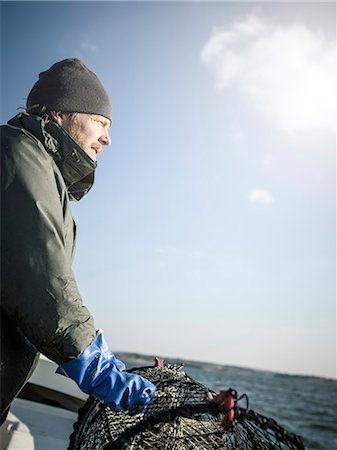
89 47
269 160
169 251
287 72
261 196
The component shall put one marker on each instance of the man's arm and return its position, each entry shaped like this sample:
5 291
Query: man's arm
40 291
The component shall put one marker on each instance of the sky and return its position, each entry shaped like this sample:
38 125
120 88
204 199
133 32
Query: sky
210 232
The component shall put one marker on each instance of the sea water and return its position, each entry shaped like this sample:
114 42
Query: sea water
304 405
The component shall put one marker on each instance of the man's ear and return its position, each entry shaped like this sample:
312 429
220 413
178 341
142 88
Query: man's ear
57 117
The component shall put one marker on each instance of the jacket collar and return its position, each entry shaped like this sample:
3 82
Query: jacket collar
77 168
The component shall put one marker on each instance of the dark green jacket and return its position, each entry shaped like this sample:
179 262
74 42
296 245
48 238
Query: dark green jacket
42 168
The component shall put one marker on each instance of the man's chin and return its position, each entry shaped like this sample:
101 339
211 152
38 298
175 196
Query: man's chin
91 153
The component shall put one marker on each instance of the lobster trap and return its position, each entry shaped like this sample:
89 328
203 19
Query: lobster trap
183 415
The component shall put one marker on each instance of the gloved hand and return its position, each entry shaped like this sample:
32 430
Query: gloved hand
98 372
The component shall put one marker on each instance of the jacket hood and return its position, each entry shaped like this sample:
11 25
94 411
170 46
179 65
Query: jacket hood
76 167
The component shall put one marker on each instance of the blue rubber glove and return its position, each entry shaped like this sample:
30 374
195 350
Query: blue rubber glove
98 372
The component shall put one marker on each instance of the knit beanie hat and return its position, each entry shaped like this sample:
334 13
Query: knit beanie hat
69 86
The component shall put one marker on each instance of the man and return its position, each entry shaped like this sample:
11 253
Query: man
48 157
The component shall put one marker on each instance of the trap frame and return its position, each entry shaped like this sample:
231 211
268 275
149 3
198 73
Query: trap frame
183 415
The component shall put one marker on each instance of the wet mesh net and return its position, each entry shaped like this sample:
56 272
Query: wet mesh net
182 416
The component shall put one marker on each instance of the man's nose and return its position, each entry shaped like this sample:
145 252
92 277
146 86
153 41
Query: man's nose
105 138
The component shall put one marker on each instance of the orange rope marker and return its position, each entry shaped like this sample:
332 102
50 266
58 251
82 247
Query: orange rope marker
227 399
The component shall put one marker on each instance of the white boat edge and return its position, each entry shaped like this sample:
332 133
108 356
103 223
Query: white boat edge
42 417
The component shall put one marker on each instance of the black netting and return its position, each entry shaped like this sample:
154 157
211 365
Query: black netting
180 417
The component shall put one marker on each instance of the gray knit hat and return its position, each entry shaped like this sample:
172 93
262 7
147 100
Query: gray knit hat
69 86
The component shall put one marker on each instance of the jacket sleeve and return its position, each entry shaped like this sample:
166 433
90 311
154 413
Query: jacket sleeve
39 291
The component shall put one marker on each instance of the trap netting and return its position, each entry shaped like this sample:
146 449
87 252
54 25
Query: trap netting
182 416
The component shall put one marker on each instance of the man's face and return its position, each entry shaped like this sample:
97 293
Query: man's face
89 131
